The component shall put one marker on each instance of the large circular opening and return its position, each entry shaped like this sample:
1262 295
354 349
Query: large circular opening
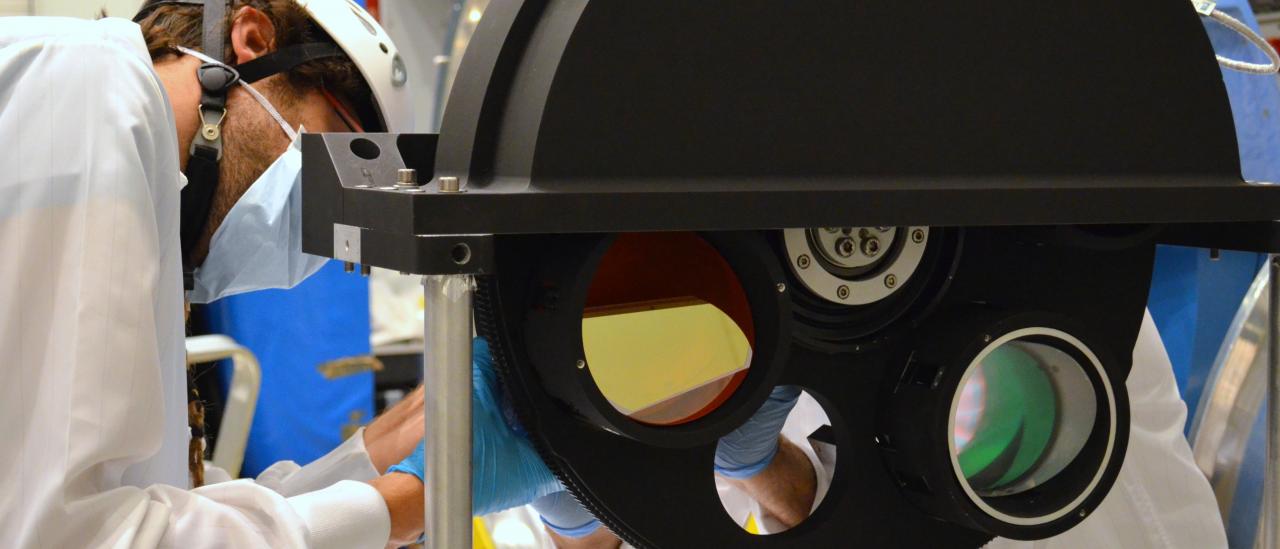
1025 409
666 331
774 471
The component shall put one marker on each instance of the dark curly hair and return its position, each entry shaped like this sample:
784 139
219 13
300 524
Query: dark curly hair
170 25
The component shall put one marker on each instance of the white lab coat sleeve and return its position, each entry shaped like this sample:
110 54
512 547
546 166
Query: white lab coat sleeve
1161 500
349 461
89 301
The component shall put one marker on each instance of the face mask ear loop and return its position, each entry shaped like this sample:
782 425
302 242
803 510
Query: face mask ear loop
266 105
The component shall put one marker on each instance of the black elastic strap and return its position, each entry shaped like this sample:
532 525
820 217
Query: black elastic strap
215 12
202 164
197 200
285 59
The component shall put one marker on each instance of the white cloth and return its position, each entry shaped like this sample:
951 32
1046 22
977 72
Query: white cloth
1161 499
92 388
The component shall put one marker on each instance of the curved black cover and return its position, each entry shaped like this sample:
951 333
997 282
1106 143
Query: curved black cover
773 113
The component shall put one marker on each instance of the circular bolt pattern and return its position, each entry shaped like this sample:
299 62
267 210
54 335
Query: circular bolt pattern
890 281
803 261
917 236
842 292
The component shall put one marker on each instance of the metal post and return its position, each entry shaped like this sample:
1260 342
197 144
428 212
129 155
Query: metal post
1271 486
446 372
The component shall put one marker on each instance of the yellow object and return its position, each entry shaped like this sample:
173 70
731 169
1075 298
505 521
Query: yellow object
661 361
480 534
751 527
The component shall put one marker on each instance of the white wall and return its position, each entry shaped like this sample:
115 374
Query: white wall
418 28
84 8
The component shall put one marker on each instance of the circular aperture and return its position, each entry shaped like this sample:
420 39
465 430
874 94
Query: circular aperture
365 148
461 253
666 332
1025 409
804 458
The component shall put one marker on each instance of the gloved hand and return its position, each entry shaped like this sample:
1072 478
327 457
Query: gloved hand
747 450
562 513
506 471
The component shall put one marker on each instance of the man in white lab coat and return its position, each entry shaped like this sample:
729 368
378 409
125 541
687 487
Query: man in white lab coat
99 122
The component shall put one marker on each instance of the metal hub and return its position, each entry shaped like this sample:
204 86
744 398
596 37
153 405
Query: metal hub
855 265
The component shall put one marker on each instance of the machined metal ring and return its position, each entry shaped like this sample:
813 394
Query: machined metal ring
1066 380
876 263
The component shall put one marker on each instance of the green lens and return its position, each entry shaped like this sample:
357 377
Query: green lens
1014 427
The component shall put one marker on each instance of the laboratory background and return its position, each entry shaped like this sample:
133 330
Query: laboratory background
289 374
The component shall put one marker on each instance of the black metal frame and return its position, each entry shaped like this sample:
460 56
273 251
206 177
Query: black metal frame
1062 139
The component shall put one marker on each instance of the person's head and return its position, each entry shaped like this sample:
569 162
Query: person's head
328 94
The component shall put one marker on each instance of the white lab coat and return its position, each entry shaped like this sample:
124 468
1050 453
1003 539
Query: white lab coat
92 383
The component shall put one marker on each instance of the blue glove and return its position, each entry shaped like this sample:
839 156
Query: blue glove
506 471
562 513
747 450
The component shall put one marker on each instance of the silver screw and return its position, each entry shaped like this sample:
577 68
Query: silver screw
832 230
842 292
449 185
581 364
890 281
871 247
803 261
845 247
917 236
986 339
782 287
406 177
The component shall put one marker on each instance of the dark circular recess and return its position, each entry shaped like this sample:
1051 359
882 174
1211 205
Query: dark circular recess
916 434
834 328
365 148
461 253
555 344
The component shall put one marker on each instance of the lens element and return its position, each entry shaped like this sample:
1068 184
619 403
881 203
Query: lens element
667 330
1024 411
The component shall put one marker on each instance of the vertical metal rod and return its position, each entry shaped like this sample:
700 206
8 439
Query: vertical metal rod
1271 486
446 372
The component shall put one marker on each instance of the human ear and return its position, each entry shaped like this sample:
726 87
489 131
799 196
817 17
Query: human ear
252 35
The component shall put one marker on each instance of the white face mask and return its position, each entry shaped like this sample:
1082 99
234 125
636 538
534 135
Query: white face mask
259 243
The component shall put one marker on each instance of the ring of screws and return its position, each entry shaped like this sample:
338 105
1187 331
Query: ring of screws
842 292
917 236
803 261
890 281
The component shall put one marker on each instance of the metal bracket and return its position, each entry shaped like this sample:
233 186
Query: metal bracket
346 243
